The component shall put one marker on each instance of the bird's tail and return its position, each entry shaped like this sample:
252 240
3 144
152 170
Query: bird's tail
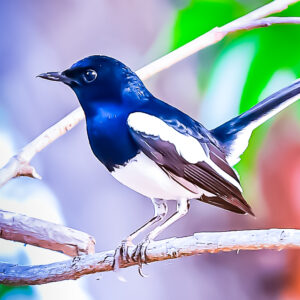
234 134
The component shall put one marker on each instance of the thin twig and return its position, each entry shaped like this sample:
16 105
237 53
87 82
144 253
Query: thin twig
212 242
19 165
265 22
24 229
212 37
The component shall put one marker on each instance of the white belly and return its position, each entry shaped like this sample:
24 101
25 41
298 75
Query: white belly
145 177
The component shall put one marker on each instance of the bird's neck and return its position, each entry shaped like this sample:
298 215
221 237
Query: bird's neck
95 108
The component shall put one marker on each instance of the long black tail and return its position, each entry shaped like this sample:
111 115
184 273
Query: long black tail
234 134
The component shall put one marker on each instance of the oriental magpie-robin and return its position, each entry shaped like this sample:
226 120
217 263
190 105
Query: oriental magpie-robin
157 150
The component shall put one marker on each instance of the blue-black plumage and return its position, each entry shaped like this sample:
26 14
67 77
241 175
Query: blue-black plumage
156 149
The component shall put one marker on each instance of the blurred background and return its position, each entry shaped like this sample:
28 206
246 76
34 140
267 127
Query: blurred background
211 86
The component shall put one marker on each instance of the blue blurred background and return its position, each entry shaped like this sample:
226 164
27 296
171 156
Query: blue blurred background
212 86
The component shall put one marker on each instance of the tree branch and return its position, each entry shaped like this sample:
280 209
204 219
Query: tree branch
24 229
265 22
19 165
211 242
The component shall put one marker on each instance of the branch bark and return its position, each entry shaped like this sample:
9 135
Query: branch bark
211 242
265 22
19 165
24 229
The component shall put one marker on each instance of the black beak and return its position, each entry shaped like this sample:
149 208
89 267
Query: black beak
56 76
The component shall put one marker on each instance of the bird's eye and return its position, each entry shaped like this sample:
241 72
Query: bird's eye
89 75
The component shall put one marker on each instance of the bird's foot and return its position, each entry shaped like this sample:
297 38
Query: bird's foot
121 254
139 255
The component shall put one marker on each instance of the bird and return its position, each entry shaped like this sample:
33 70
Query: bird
159 151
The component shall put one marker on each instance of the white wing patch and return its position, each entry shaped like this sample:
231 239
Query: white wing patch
187 146
144 176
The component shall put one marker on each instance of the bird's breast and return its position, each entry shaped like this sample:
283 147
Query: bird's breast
110 140
144 176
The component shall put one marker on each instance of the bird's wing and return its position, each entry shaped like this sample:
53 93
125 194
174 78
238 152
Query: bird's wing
193 164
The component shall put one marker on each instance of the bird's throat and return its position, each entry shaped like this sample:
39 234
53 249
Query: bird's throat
109 136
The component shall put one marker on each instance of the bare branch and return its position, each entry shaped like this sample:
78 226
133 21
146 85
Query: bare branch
265 22
24 229
212 37
211 242
19 164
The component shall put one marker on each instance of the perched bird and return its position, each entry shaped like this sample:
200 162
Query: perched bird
157 150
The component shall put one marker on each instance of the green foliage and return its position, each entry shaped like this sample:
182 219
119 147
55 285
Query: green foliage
277 48
202 15
199 17
23 290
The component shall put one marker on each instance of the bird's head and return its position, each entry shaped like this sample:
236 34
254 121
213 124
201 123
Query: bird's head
96 79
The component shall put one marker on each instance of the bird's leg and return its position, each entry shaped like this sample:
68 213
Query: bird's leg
160 211
139 254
